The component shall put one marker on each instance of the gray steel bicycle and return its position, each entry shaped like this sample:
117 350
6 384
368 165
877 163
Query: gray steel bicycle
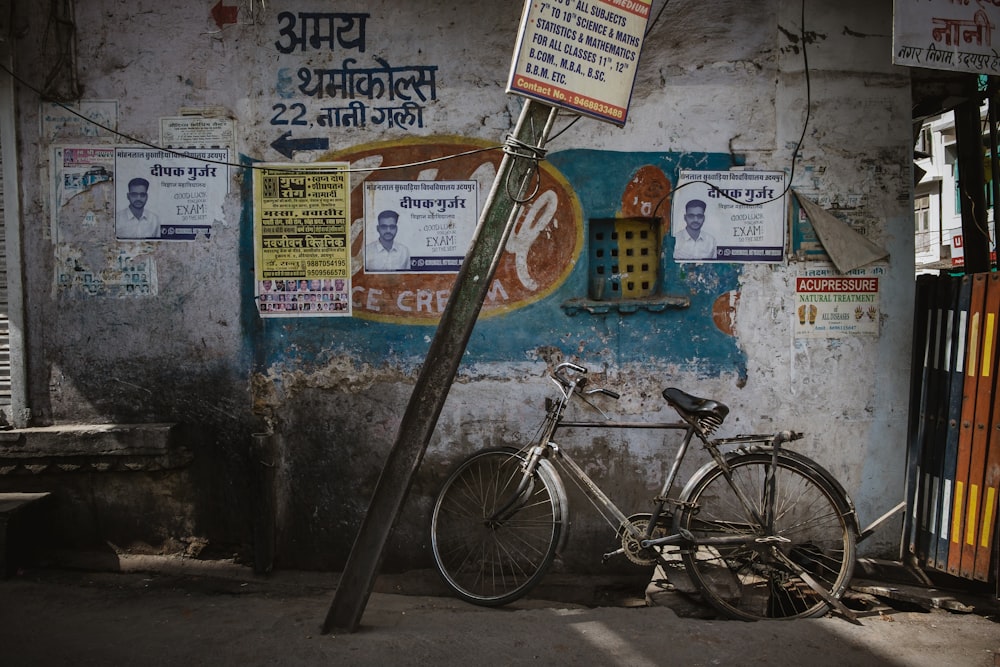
764 532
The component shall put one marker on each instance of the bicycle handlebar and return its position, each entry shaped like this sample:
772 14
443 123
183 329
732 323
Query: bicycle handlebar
560 376
607 392
570 365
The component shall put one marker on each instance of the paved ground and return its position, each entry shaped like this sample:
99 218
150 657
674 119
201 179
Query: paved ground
180 615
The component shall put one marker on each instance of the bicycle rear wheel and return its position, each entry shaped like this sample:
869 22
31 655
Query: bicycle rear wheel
751 572
492 545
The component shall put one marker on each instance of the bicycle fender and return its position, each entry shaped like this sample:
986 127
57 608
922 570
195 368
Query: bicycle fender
563 499
850 513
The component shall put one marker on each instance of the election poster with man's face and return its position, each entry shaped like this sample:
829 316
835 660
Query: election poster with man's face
729 216
419 226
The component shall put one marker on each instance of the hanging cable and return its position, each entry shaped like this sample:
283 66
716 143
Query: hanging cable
61 27
535 154
804 37
224 163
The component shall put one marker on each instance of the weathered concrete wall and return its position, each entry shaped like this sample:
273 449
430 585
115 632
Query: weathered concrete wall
719 85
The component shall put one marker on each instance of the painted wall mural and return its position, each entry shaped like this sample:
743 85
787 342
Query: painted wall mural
543 267
332 85
362 91
542 249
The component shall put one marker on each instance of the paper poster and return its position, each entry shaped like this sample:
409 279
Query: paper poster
419 226
729 216
164 196
73 120
197 132
78 168
833 305
302 249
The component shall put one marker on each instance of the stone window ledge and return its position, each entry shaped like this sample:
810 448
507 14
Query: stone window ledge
94 448
655 304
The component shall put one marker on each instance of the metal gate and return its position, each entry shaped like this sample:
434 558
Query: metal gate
954 437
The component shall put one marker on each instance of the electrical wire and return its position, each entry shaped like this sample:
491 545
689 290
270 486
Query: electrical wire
798 145
649 27
535 154
273 167
511 147
61 25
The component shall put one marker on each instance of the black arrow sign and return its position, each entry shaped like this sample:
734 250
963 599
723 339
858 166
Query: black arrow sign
288 146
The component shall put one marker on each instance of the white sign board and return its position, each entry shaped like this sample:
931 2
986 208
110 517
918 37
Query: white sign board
197 132
580 55
945 34
831 305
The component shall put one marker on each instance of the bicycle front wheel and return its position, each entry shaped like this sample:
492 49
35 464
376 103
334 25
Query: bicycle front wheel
492 542
756 536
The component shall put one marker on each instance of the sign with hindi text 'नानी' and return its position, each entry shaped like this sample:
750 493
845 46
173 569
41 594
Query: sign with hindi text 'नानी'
580 55
955 35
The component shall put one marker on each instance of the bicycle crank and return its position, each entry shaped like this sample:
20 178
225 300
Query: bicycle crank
631 545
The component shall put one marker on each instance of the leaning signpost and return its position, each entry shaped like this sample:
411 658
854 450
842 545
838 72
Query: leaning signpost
570 54
580 56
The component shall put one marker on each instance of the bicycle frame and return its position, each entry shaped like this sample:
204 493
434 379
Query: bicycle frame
546 447
762 519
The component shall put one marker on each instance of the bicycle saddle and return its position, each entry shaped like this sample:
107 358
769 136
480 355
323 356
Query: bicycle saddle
694 406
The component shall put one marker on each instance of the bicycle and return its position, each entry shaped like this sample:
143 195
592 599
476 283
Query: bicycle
762 531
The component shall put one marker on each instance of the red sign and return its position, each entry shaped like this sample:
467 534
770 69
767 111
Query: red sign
223 15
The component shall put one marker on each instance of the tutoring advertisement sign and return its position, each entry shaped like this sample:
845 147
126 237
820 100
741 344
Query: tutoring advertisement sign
302 248
419 226
729 216
580 55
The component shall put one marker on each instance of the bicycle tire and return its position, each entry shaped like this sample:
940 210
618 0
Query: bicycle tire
494 562
751 579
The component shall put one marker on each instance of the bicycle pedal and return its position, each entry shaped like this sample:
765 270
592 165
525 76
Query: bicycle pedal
664 584
606 557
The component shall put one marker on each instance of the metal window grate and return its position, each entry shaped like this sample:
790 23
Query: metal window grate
624 258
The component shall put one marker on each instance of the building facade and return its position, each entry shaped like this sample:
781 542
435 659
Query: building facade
113 329
937 204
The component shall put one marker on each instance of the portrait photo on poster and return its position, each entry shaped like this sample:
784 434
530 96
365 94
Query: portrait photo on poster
135 220
729 216
165 196
692 241
419 226
385 253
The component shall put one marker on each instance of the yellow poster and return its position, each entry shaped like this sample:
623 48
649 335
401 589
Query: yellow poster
302 239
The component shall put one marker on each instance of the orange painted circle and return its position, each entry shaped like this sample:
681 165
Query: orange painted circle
545 242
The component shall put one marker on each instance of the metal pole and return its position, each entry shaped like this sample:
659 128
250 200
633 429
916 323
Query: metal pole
20 410
971 181
515 177
994 119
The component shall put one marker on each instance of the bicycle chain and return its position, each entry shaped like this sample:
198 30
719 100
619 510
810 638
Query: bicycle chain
630 545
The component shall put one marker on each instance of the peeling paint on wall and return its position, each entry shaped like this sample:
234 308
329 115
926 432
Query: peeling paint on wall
717 87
